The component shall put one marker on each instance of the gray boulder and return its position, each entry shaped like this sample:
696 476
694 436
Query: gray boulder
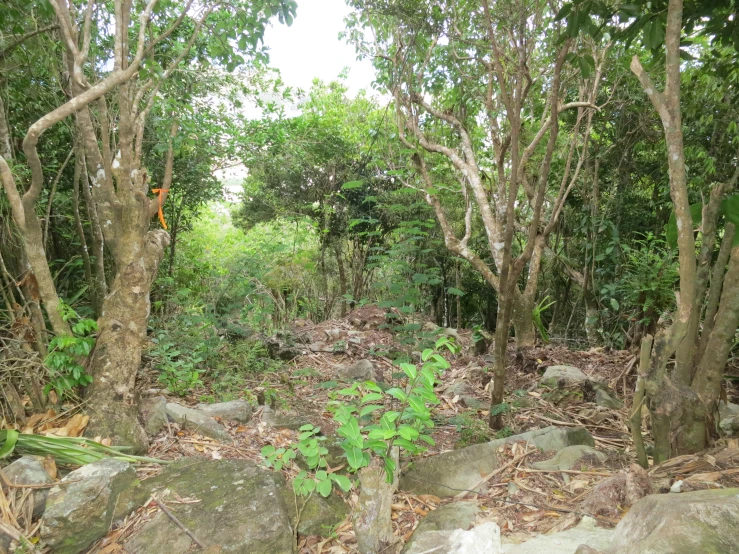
607 399
197 421
464 391
567 374
236 410
484 538
449 473
280 420
457 515
319 515
729 418
241 508
29 470
79 513
565 542
361 370
686 523
281 346
569 457
153 412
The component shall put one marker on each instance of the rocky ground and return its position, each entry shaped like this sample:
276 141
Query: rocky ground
561 475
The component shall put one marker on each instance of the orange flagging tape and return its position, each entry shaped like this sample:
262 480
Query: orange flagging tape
161 213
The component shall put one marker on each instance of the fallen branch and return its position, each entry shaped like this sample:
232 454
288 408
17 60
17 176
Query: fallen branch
177 522
493 474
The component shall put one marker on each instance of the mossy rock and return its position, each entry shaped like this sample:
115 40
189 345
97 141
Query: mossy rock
241 508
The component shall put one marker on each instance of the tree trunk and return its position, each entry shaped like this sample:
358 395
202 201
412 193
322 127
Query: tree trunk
117 355
342 278
523 323
373 525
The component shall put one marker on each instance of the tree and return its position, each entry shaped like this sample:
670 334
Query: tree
683 401
477 88
143 45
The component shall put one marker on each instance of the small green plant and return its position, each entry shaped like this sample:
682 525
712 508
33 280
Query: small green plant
64 361
316 478
536 314
405 427
504 433
471 430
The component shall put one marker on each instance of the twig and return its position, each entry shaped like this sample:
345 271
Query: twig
570 471
177 522
501 469
16 535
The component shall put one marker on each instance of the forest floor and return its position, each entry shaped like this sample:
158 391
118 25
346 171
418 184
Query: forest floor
544 502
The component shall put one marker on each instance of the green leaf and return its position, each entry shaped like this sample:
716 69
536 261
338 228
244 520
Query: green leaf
355 458
352 185
410 370
343 481
369 409
563 12
614 304
372 397
455 292
324 487
350 429
9 439
397 393
268 450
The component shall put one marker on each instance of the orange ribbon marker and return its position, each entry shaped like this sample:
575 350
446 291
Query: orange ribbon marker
161 202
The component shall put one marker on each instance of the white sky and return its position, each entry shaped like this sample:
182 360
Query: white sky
311 47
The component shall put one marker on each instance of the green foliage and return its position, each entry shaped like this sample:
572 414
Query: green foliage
368 427
73 451
404 426
67 354
543 305
316 478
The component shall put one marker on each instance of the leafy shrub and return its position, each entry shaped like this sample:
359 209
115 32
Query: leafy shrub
64 360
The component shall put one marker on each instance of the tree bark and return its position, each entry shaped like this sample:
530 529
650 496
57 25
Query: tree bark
117 356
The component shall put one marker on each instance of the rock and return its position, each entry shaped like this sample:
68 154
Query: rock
197 421
281 346
564 542
688 523
484 538
242 509
606 400
29 470
236 410
569 458
728 418
464 391
453 333
153 412
449 473
284 421
361 370
677 487
457 515
319 516
81 512
567 374
320 347
620 491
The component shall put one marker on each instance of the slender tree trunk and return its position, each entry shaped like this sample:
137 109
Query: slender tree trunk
97 239
96 301
6 150
342 278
